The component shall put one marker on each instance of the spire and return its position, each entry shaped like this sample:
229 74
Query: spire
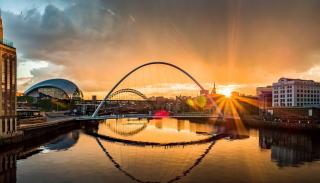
214 88
1 28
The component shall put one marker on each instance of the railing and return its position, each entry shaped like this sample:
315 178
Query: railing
6 42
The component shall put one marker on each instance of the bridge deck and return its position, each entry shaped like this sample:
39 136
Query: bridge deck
88 118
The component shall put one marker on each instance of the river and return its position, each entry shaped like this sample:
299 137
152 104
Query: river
242 155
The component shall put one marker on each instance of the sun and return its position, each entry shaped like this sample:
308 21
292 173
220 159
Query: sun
227 91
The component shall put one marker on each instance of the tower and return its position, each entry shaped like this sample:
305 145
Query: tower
1 28
8 80
214 88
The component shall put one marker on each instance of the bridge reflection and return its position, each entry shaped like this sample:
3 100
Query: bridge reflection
174 164
127 127
151 163
164 163
154 131
143 161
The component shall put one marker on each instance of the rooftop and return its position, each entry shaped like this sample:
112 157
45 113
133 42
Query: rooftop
6 43
292 79
65 85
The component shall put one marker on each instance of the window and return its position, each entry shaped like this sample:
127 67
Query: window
14 125
8 125
3 126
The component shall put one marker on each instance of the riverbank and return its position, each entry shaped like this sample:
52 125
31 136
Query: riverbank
28 132
282 125
256 121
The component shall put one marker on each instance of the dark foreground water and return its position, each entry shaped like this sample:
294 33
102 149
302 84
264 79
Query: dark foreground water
243 155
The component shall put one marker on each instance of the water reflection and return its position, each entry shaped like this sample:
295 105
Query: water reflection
157 130
162 162
63 142
288 148
10 155
8 169
155 164
96 159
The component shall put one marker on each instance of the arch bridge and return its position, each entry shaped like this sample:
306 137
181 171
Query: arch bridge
127 90
110 93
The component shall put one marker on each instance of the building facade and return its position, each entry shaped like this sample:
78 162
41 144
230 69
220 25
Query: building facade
295 93
264 95
8 65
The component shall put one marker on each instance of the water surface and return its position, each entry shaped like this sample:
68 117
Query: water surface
255 155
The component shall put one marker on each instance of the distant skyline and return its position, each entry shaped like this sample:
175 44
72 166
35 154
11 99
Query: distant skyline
239 44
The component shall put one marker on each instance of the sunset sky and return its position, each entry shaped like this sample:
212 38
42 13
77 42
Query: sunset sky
237 44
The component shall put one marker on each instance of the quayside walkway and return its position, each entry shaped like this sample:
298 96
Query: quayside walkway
51 122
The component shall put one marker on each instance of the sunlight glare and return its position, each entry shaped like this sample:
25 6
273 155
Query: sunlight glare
227 91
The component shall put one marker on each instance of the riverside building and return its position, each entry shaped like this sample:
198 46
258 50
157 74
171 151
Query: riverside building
8 65
264 95
295 93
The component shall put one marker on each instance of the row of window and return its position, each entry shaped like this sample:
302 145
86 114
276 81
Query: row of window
282 87
315 85
282 96
298 91
283 104
307 104
282 91
305 95
298 100
309 100
298 95
298 104
309 91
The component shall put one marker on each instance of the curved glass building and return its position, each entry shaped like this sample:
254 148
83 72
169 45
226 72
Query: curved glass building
55 88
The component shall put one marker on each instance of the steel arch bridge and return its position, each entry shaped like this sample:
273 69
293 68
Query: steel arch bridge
127 90
94 115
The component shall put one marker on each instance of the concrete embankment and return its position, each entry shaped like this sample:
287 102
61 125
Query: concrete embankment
303 126
29 132
256 122
283 125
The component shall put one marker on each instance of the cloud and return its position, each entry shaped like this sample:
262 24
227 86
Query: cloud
230 42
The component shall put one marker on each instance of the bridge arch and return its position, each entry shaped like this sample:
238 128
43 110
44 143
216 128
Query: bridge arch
128 90
147 64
